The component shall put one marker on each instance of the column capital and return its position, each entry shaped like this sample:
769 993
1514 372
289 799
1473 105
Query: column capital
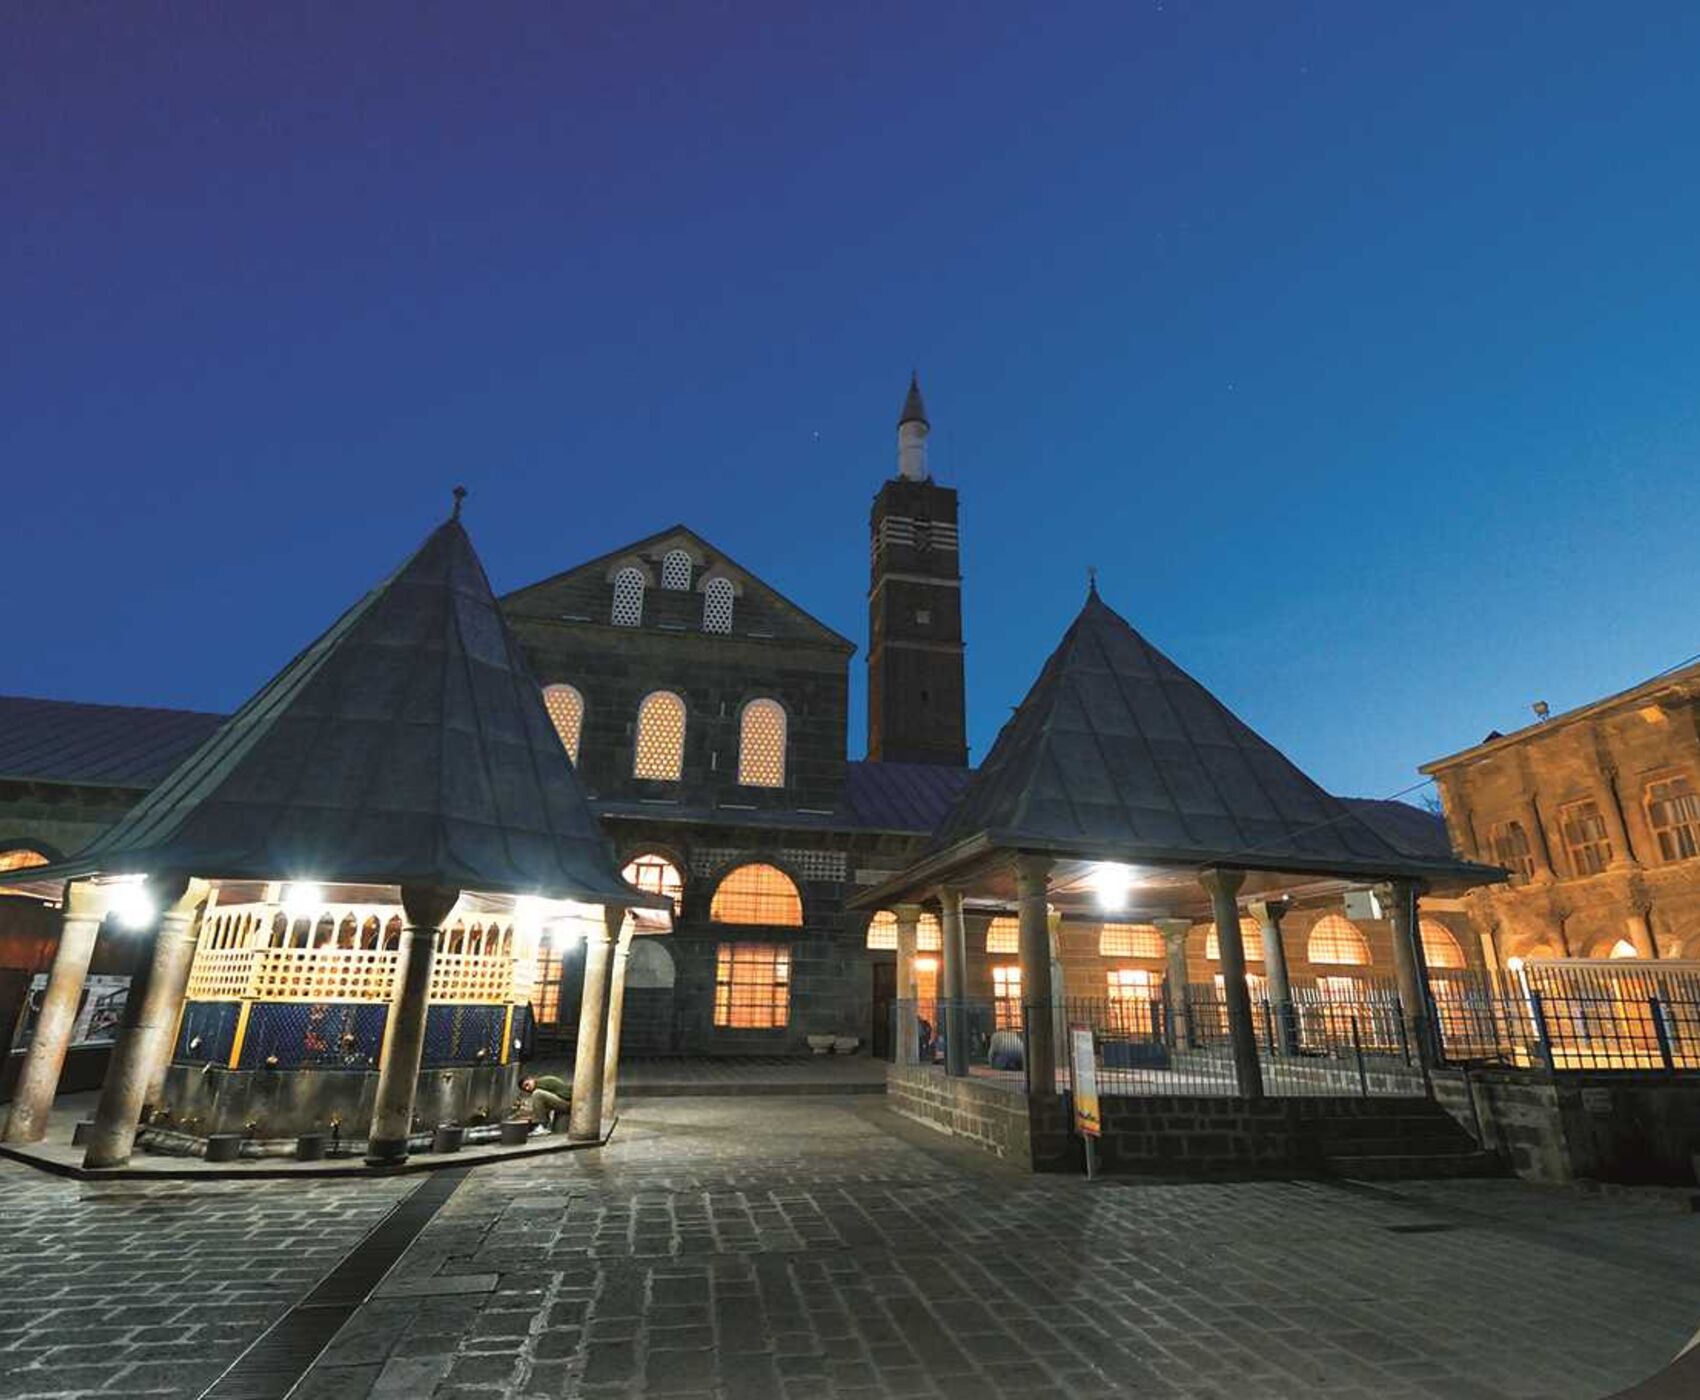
908 913
613 920
950 899
1220 883
1030 871
1173 930
1269 911
426 906
83 899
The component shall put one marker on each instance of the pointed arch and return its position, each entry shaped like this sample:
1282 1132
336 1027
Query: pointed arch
655 873
757 894
1441 948
1336 939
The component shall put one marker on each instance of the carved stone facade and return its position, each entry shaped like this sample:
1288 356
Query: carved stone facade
1596 813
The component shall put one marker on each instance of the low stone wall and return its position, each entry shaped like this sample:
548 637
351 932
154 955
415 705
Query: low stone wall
991 1115
287 1103
1621 1126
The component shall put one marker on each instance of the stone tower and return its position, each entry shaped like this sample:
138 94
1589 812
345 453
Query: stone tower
916 707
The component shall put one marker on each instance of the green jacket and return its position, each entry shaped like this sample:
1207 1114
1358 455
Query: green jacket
549 1084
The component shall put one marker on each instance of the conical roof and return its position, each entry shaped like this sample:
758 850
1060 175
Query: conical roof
1116 748
914 411
407 745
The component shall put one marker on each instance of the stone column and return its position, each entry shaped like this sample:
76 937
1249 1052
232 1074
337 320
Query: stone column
1539 850
905 1024
955 954
1222 886
1059 989
1640 926
426 908
584 1123
1400 899
1175 933
166 1040
1622 853
1032 884
1269 913
38 1080
150 1014
616 1015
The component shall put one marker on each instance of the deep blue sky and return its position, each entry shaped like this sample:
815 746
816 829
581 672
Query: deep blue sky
1355 344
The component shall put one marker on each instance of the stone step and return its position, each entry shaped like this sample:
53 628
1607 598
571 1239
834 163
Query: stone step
1414 1166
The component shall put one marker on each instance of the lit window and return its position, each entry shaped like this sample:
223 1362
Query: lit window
752 986
20 858
1585 837
757 894
656 875
1623 948
660 749
547 1008
1130 941
1339 988
676 570
1132 991
717 605
882 931
628 597
1006 997
761 745
1673 811
1335 939
1003 935
1440 947
1511 849
1251 939
929 935
566 712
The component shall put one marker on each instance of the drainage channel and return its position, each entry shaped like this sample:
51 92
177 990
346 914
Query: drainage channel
280 1356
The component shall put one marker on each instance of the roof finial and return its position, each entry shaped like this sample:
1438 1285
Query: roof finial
1092 580
460 495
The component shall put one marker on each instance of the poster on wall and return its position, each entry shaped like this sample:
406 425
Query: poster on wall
98 1015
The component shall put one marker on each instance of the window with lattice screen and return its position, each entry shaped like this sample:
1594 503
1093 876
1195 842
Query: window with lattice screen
1511 849
676 570
1130 941
657 875
1003 935
628 598
752 986
660 748
882 931
1440 947
761 745
929 935
1586 840
1251 939
757 894
566 712
1335 939
717 600
1006 997
1132 990
1673 811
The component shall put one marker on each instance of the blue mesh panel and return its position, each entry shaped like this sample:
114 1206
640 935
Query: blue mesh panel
463 1035
207 1031
318 1035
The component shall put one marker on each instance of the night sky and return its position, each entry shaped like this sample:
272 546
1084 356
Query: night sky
1354 344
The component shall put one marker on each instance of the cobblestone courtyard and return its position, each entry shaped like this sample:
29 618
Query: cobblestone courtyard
820 1247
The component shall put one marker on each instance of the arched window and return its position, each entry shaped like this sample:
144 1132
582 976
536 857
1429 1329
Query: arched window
717 605
882 931
20 858
1440 947
628 597
660 749
761 745
1335 939
929 935
656 875
1003 935
1623 948
1130 941
566 712
1251 939
757 894
676 570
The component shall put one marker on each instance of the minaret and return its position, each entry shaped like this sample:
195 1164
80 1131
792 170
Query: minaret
917 711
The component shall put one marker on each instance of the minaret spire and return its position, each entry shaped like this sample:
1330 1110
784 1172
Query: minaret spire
912 430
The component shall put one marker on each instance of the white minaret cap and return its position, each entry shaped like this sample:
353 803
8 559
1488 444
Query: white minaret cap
912 430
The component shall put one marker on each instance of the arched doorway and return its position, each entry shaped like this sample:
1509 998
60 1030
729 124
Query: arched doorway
646 1024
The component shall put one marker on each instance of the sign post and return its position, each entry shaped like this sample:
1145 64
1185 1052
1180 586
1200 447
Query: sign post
1083 1058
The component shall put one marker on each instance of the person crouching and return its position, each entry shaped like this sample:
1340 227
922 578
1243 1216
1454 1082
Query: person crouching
549 1096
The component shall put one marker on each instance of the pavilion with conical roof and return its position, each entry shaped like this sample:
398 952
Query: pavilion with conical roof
1122 783
346 882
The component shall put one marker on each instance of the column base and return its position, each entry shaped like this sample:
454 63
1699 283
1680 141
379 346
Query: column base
93 1159
386 1152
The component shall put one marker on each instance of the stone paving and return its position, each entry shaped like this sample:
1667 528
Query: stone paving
153 1289
822 1247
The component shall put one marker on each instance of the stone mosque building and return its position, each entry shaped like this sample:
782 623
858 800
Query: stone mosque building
706 714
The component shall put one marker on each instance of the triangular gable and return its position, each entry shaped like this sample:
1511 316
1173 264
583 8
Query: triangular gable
1116 746
408 744
565 592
